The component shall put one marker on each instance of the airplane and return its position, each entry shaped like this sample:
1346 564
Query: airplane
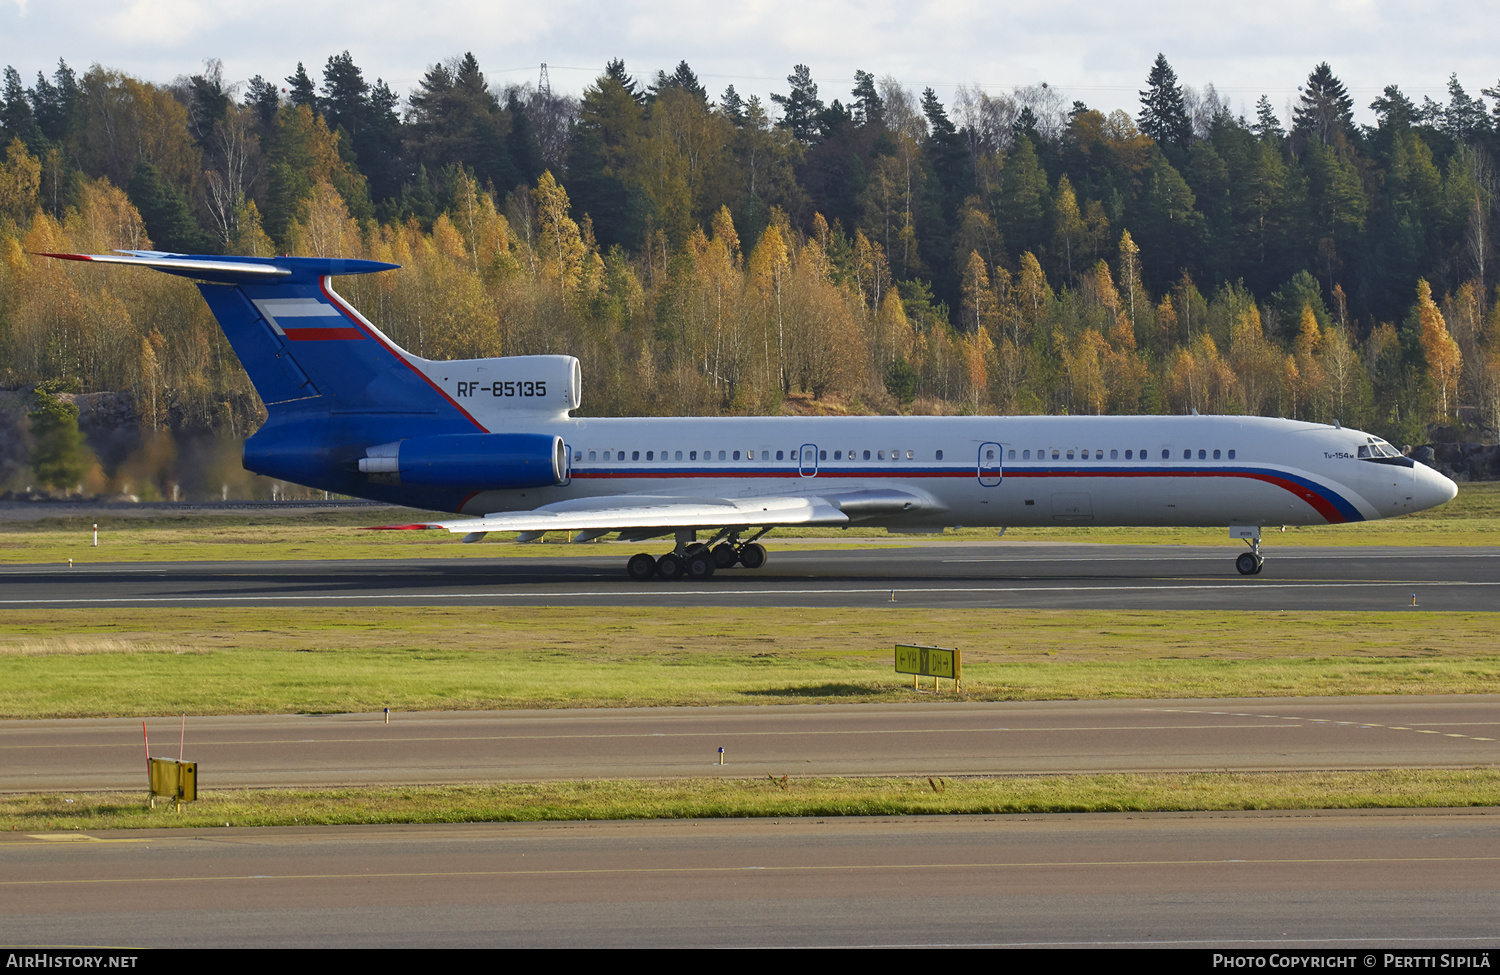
351 412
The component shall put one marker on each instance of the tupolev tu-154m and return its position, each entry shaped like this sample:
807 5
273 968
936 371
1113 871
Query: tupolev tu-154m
349 411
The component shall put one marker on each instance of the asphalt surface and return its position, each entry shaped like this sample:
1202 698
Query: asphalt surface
959 574
1350 881
1285 881
951 739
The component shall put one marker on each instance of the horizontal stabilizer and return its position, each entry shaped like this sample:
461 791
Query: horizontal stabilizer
234 270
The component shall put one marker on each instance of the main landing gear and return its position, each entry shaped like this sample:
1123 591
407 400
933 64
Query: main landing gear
697 561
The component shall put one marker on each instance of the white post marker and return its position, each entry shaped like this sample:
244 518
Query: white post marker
96 536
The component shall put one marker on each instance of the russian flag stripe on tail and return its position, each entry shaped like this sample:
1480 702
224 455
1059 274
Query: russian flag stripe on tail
307 320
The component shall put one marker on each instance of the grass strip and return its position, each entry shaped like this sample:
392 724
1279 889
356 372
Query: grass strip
767 796
144 661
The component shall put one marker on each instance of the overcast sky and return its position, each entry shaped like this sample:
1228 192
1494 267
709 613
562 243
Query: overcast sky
1093 50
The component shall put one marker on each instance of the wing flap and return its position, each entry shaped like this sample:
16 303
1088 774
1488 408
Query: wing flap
634 513
627 513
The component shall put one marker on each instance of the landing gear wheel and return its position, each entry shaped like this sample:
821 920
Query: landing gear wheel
694 548
1249 564
641 567
753 556
700 566
725 556
669 567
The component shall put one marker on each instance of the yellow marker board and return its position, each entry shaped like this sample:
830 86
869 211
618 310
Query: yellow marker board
171 779
928 661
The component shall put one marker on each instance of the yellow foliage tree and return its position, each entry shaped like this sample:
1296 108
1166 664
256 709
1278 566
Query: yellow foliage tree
1444 360
20 180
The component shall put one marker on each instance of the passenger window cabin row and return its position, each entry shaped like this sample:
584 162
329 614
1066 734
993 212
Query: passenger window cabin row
1056 453
1166 454
730 455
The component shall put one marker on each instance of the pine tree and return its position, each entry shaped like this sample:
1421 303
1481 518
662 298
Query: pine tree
800 109
59 456
208 101
54 101
1394 109
732 106
1024 199
946 153
1164 115
1267 124
165 212
869 109
1465 118
17 120
1326 112
344 91
302 91
265 99
683 79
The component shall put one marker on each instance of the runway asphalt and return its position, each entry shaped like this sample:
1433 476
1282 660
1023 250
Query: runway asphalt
949 739
962 574
1358 882
1286 881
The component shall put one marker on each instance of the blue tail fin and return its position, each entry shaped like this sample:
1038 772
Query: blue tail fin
332 382
296 337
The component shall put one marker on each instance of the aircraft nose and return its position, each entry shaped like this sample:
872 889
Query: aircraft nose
1431 488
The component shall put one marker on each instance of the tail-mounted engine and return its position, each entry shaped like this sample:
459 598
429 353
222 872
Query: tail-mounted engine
475 461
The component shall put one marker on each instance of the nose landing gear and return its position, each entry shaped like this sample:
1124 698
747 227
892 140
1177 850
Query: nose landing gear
1249 563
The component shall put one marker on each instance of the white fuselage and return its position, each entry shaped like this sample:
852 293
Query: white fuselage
1001 471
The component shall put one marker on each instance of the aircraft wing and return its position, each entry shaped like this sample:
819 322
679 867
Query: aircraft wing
639 512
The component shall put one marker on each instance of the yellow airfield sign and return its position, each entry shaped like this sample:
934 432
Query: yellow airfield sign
931 662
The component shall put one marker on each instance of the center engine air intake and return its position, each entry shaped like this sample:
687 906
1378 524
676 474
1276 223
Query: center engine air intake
477 461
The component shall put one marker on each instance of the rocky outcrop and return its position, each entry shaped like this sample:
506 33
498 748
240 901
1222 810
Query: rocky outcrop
108 421
1462 461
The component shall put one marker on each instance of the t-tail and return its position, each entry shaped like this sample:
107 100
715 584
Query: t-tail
350 411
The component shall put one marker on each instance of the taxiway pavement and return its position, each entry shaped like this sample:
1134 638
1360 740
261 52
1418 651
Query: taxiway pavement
1348 880
956 574
951 739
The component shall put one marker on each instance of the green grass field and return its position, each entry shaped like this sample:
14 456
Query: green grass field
763 796
81 663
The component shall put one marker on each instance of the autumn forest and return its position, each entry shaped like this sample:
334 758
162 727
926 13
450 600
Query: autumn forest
703 253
